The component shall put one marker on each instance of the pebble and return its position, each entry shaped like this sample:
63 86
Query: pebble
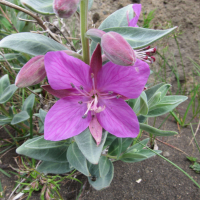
166 154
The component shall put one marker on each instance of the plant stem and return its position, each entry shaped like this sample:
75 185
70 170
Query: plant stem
173 165
84 27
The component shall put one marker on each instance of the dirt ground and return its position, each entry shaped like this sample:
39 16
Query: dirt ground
159 179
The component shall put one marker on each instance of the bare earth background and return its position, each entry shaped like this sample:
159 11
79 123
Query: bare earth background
160 180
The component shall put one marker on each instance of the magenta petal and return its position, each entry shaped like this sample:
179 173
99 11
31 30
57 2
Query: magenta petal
64 120
118 118
96 61
137 9
59 93
126 81
64 70
95 129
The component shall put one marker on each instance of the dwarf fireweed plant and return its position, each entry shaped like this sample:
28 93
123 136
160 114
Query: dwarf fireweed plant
101 103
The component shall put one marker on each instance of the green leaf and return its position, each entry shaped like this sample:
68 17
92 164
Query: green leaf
140 37
9 57
155 131
42 115
167 104
20 117
4 120
88 146
8 93
143 104
52 155
116 19
104 166
116 147
110 138
137 147
54 167
126 142
151 91
154 100
28 104
137 157
44 7
4 83
98 182
31 43
41 143
77 159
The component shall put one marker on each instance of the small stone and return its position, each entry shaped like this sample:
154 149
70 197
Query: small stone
166 154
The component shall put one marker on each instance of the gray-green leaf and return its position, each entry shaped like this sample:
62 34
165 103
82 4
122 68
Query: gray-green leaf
54 167
155 131
20 117
8 93
77 159
44 7
88 146
31 43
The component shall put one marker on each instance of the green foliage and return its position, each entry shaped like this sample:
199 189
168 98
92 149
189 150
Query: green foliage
147 19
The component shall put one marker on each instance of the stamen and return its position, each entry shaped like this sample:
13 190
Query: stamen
72 85
118 96
80 102
81 87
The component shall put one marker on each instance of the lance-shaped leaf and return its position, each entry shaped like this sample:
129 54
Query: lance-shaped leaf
29 103
155 131
116 19
42 115
167 104
98 182
143 104
7 93
41 143
140 37
31 43
54 167
4 83
44 7
88 146
53 154
151 91
9 57
20 117
137 157
104 166
4 120
77 159
116 147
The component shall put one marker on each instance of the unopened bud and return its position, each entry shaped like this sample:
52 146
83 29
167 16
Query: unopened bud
32 73
65 8
117 49
95 34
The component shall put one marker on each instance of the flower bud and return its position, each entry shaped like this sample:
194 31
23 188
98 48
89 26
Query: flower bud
95 34
32 73
117 49
65 8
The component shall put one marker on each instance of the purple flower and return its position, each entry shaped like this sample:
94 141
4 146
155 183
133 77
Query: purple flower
137 9
92 96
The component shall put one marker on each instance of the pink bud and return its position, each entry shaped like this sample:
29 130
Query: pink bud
117 49
65 8
32 73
